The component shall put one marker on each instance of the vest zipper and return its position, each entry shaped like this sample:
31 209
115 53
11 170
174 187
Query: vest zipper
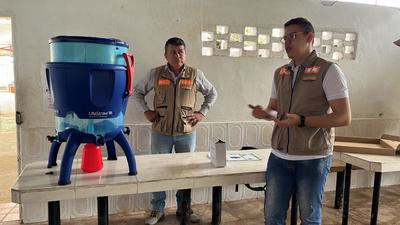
173 115
290 104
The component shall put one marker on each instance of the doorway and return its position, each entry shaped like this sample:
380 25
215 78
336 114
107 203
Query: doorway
8 129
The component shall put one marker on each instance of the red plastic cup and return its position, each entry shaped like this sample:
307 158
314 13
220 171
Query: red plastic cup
91 158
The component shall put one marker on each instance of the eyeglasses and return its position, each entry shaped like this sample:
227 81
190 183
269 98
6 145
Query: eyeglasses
290 36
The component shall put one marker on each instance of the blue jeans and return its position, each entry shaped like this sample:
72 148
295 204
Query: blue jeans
162 144
305 177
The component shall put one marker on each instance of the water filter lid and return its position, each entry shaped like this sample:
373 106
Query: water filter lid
98 40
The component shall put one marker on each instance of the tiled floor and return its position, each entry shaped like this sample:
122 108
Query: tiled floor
9 212
250 212
8 154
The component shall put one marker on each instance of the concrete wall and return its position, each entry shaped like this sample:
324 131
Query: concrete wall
373 77
147 24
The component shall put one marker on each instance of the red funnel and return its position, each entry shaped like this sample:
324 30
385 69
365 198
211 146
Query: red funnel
91 158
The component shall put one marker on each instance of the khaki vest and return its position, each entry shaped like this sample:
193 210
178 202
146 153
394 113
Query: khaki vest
174 102
307 98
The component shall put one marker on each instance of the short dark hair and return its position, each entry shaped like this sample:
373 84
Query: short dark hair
301 22
174 41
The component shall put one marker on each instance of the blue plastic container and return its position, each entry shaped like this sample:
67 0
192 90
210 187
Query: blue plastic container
90 126
87 50
90 98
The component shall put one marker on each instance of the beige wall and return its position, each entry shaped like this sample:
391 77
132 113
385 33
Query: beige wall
147 24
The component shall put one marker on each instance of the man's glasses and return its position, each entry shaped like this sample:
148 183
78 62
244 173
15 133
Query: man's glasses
290 36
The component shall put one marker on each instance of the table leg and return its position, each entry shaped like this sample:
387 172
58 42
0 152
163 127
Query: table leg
375 198
185 213
339 189
54 213
216 205
347 182
102 210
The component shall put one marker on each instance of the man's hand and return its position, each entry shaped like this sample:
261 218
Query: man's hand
291 120
151 116
260 113
194 118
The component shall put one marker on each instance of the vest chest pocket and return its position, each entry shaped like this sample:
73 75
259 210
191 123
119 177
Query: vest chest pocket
161 91
160 97
186 84
310 77
187 97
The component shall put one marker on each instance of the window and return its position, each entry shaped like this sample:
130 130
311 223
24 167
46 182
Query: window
250 46
236 37
263 53
337 43
337 56
250 31
277 47
263 39
207 36
326 49
221 44
235 52
387 3
369 2
220 29
277 32
350 36
326 35
348 49
264 42
317 42
207 51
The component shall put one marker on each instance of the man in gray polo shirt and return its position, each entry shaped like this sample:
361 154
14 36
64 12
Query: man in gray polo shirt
174 116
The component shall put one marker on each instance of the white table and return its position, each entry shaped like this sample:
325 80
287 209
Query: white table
378 164
37 183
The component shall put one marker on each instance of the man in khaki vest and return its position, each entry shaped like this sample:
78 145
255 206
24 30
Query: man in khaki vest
174 116
309 98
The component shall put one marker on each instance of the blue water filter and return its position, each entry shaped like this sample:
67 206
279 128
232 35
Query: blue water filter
91 80
90 98
88 50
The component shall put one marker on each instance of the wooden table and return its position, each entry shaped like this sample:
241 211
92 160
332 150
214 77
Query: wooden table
161 172
378 164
